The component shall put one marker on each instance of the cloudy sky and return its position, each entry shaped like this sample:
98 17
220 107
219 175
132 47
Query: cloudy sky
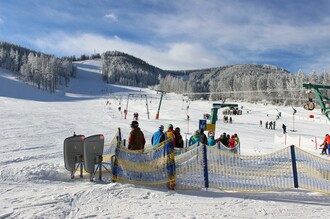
178 34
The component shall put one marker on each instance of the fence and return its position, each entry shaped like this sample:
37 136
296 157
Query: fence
202 166
211 167
298 140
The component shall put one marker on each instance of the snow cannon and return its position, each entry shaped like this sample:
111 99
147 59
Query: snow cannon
93 155
74 154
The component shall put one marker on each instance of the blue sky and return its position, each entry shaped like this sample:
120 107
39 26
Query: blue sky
178 34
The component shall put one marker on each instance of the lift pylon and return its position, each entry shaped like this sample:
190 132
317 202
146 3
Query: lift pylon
323 100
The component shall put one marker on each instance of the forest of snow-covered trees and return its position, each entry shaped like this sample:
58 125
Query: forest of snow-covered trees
44 71
120 68
245 82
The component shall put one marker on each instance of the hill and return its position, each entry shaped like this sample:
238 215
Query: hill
240 82
34 182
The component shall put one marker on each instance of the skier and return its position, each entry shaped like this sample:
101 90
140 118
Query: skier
158 136
232 142
136 140
203 138
194 138
284 128
169 134
178 137
211 141
325 144
236 138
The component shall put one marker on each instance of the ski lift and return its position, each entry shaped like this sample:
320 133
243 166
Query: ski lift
322 99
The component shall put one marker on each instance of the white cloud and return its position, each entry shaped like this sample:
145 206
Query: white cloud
176 56
111 17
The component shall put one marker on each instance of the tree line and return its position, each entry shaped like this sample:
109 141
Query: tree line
41 70
250 83
241 82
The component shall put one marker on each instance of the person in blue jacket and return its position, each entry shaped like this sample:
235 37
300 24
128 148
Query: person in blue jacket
195 138
158 136
211 141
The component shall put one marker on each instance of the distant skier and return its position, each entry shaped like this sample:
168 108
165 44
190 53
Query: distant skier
284 129
325 144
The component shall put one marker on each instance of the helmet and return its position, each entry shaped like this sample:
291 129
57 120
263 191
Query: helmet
197 132
170 126
161 127
135 124
177 129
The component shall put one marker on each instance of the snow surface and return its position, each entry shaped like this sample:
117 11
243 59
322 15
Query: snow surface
35 184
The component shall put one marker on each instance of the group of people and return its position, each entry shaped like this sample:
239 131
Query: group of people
225 139
135 116
226 119
136 140
171 133
270 125
228 141
198 136
326 145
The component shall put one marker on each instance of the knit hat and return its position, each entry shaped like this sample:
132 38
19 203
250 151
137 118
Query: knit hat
135 124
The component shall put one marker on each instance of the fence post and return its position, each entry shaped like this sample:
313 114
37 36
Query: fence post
114 166
294 166
170 165
206 172
315 142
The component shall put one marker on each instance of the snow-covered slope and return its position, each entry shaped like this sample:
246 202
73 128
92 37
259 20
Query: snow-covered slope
35 184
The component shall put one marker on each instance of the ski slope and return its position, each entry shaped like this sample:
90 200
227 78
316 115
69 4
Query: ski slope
35 184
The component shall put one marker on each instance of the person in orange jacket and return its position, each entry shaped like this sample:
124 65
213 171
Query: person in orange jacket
325 144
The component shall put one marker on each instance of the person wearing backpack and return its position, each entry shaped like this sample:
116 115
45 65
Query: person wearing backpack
203 138
178 137
136 140
158 136
169 134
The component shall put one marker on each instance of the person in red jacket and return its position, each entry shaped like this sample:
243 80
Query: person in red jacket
325 144
136 140
232 142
